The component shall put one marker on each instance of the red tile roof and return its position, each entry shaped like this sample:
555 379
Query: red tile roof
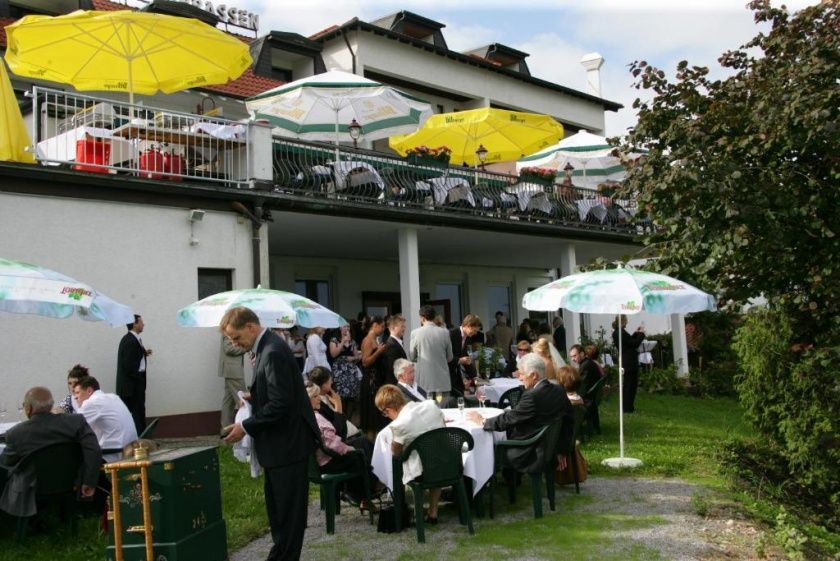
247 85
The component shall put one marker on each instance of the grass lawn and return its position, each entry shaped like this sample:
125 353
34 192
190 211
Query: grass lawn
674 436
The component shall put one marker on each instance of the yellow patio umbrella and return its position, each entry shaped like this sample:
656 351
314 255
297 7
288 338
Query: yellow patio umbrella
507 135
125 50
13 136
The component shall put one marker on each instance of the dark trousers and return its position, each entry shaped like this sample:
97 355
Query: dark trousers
136 404
287 503
631 385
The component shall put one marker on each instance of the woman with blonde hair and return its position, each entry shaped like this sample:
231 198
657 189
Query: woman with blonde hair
548 352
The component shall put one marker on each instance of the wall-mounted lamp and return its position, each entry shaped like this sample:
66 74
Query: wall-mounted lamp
355 130
195 215
568 170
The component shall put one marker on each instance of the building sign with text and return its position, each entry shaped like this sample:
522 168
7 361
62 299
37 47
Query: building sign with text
228 14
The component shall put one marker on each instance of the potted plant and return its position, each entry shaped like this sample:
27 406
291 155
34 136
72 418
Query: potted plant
540 176
426 156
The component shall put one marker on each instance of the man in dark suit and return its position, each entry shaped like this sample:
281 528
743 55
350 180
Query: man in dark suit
589 372
461 368
283 428
630 361
131 372
393 349
42 429
542 403
404 374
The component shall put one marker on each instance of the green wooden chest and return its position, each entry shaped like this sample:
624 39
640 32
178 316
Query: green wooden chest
186 507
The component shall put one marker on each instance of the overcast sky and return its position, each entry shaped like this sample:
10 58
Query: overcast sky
556 33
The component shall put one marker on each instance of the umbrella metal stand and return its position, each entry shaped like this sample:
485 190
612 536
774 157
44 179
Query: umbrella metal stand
621 461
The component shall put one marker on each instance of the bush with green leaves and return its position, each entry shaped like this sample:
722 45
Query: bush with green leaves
790 394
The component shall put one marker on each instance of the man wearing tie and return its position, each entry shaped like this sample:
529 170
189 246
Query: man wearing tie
461 368
282 425
131 372
394 349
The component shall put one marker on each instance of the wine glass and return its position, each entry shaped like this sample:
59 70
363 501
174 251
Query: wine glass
480 395
461 405
439 398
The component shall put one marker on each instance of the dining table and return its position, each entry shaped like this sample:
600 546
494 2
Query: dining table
478 462
498 386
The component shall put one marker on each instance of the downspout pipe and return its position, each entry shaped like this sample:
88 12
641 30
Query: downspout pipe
256 224
349 48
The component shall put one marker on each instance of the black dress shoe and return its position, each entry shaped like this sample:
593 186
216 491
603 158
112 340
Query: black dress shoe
431 521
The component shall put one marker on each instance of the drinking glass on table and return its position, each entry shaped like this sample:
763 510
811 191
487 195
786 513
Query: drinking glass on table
439 398
461 405
480 395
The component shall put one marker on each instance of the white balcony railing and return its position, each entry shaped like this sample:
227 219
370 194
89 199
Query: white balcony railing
103 136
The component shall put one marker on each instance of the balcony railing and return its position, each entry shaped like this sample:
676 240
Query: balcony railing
323 171
95 135
103 136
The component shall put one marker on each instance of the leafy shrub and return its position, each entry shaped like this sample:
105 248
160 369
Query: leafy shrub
661 380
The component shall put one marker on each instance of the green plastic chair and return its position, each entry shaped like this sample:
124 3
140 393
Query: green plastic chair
511 397
548 439
56 471
328 484
440 453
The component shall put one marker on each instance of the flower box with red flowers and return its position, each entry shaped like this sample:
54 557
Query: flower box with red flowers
425 156
540 176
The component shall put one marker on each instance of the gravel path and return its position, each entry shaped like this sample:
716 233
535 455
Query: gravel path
680 535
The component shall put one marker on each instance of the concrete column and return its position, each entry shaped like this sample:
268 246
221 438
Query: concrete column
679 344
260 170
265 274
409 280
571 321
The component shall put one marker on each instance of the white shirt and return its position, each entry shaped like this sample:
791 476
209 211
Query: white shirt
412 390
110 421
142 367
414 419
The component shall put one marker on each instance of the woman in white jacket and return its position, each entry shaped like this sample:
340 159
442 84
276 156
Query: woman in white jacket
316 350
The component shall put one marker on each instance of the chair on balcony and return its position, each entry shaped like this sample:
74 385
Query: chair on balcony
404 185
493 198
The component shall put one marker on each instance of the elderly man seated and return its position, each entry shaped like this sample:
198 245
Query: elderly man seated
107 415
44 428
408 421
541 404
406 381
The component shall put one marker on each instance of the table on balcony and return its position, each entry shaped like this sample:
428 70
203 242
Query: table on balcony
600 207
62 147
353 174
530 196
195 143
451 190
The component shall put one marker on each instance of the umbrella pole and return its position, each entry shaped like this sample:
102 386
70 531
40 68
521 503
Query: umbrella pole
337 155
621 461
620 391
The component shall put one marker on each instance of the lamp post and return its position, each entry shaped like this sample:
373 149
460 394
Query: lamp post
355 130
481 154
568 170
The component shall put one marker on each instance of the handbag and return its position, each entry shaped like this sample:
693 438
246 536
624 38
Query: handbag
387 522
565 476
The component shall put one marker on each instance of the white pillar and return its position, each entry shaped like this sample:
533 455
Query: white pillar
679 344
571 321
409 280
265 273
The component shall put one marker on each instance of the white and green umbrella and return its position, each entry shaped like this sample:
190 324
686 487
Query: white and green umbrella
321 107
274 308
619 291
31 289
591 156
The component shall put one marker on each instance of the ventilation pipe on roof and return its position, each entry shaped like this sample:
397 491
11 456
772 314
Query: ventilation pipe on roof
592 62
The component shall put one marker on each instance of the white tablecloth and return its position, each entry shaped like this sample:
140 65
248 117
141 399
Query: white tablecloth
4 427
525 192
498 386
451 188
368 174
596 207
478 462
